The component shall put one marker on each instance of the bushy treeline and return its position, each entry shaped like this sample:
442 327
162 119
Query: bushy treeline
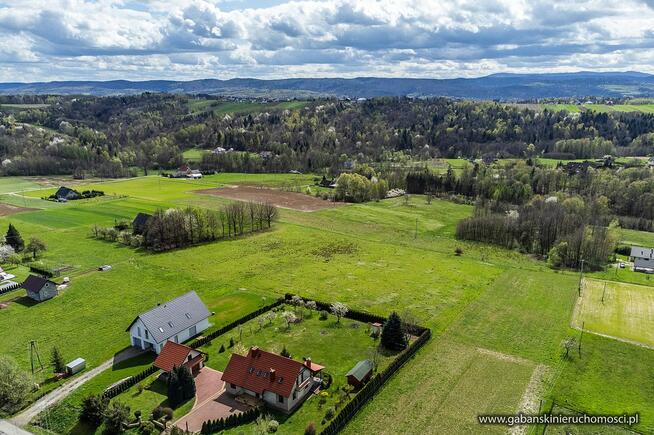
109 136
358 188
176 228
628 192
565 232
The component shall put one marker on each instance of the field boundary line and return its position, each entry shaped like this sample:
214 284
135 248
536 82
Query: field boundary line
623 340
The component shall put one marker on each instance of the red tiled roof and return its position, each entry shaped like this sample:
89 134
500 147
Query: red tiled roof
253 372
173 355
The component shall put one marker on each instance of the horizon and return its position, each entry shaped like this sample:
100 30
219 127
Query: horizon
106 40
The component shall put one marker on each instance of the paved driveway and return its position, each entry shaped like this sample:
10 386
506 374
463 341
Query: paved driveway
211 401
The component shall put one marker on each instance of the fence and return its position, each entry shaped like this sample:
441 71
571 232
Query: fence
10 286
370 389
112 392
211 426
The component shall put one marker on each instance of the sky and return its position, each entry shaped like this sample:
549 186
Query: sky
44 40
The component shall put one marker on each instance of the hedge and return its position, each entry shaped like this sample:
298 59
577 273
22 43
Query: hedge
128 383
212 426
45 272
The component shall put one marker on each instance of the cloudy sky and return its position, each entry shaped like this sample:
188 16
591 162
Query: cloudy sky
174 39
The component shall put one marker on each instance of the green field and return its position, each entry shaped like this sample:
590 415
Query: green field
576 108
221 107
617 309
498 317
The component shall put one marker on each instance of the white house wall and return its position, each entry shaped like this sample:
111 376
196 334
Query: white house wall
179 338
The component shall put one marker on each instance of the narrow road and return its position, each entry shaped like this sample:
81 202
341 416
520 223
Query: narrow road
6 428
63 391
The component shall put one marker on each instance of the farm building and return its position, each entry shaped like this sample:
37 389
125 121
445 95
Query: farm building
64 193
281 383
176 320
39 289
139 222
176 355
643 259
360 373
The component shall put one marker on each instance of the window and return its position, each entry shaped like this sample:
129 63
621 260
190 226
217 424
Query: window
294 394
170 324
160 329
280 398
233 386
192 330
138 330
176 339
147 335
188 316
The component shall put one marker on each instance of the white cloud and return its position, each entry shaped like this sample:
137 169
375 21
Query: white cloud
108 39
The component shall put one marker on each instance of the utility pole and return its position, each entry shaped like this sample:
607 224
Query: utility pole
604 292
583 326
415 235
581 277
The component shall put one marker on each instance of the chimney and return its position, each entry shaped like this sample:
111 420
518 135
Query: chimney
307 362
254 351
272 374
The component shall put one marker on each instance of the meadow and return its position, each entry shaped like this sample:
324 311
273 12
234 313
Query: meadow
222 107
617 309
499 317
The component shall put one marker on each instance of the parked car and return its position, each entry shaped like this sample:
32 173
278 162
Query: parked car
104 268
621 265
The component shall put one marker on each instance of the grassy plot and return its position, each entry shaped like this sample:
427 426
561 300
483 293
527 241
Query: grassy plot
621 310
443 389
222 107
63 418
610 377
336 345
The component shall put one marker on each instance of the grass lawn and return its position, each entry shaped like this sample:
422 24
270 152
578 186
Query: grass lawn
617 309
611 377
194 154
443 389
221 107
337 346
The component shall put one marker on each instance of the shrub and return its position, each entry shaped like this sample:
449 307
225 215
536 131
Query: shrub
222 348
231 342
310 429
392 336
116 416
323 315
157 413
331 411
93 409
147 428
326 381
168 413
458 251
285 352
273 425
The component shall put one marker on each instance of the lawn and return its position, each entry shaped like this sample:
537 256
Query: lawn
194 154
336 345
617 309
221 107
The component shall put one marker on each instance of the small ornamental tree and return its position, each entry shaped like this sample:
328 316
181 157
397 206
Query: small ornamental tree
93 409
14 239
35 247
392 336
57 361
15 385
339 309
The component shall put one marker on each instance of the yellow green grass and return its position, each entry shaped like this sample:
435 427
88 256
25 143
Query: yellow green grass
616 309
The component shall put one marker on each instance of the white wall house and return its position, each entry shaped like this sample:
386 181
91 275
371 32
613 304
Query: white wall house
177 320
643 259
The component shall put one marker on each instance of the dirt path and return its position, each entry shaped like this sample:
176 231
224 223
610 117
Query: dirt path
279 198
63 391
6 428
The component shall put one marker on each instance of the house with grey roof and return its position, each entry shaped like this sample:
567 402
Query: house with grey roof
643 259
177 320
39 289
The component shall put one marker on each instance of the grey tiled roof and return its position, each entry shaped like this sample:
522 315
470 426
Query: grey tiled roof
638 252
182 313
643 264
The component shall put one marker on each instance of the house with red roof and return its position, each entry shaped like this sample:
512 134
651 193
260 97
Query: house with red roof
177 355
281 383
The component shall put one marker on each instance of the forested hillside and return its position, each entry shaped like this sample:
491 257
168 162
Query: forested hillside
112 136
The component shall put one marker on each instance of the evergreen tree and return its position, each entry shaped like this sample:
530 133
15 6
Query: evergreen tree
174 393
181 385
392 337
57 361
14 239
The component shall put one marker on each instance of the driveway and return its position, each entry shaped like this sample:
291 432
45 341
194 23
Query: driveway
211 401
64 390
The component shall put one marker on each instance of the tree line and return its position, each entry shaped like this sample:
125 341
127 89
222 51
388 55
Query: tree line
564 232
176 228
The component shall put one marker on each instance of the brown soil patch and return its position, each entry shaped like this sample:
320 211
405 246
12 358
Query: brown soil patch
6 209
279 198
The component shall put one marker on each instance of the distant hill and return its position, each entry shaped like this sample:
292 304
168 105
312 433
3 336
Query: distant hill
496 86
